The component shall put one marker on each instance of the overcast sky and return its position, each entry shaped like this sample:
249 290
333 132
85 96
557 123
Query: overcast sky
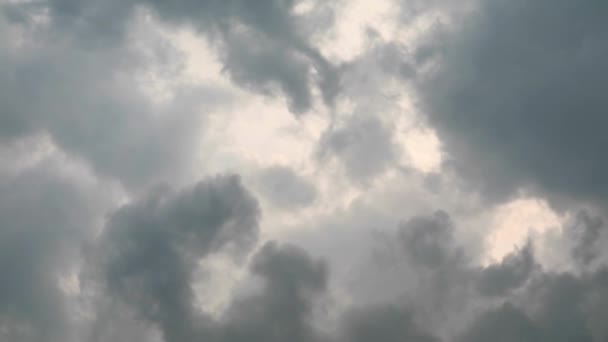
303 170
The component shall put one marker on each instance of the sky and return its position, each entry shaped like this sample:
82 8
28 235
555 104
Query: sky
303 170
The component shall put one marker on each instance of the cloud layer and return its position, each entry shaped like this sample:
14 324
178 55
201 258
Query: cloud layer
176 171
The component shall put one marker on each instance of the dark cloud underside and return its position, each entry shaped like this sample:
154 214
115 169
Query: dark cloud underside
518 97
96 245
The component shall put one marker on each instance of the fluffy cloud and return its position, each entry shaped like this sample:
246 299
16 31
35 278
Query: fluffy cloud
44 215
516 96
149 250
263 46
90 102
364 147
292 281
284 188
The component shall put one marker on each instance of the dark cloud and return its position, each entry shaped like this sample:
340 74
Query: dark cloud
596 305
363 146
91 104
515 94
383 324
149 250
286 189
45 215
82 77
292 282
514 300
517 97
585 233
554 307
520 301
282 308
262 44
505 323
510 274
556 301
260 64
114 322
428 240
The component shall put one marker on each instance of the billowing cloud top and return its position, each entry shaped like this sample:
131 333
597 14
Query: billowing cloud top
303 170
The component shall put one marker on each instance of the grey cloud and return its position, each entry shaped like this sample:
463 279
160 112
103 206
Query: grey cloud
443 273
258 63
82 94
364 147
76 79
272 52
510 274
428 240
90 102
262 47
596 305
393 58
505 323
45 214
383 324
149 249
517 97
146 255
286 189
293 284
552 308
558 313
114 322
520 301
363 140
92 22
445 294
451 288
585 233
293 281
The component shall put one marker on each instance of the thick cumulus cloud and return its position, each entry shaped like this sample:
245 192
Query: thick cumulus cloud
44 215
91 103
384 324
511 273
514 300
556 307
149 250
154 278
283 310
363 147
586 235
286 189
517 97
71 71
263 44
151 273
93 249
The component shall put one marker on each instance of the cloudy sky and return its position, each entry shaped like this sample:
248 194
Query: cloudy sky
303 170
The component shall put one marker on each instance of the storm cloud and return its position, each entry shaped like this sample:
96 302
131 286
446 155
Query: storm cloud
230 171
44 213
286 189
517 97
148 250
262 45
